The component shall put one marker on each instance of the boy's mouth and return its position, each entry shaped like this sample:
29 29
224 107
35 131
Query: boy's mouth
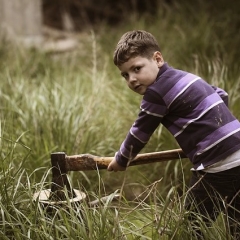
140 89
136 87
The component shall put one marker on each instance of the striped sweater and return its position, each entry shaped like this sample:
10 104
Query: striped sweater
195 113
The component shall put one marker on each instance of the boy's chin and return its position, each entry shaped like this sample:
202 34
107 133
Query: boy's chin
141 90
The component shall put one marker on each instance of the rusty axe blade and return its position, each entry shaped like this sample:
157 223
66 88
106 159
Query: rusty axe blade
60 184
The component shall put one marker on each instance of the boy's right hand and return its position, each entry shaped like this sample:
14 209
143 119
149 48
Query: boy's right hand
114 166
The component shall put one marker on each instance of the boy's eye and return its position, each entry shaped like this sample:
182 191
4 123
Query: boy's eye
125 75
136 69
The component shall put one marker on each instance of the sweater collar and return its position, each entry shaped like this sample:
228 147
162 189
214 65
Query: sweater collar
162 70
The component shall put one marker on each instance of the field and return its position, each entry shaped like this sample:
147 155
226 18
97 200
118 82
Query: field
77 102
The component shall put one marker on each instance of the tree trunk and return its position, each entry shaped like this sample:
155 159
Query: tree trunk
21 19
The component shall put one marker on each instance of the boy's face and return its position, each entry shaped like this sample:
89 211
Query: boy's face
141 72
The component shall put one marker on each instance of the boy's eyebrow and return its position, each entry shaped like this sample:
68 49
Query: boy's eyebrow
134 65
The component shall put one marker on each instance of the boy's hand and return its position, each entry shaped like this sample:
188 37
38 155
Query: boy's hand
114 166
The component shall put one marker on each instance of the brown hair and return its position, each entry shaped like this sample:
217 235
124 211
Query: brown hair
135 43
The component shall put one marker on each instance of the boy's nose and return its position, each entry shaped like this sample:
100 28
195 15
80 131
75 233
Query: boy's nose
132 78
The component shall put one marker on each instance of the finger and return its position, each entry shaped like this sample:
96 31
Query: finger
110 169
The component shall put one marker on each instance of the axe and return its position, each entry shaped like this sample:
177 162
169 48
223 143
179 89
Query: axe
62 164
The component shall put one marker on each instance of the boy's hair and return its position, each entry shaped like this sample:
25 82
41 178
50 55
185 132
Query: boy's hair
135 43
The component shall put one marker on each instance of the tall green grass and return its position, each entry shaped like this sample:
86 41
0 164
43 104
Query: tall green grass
77 102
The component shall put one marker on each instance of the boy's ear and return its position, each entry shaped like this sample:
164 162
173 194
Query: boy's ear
157 56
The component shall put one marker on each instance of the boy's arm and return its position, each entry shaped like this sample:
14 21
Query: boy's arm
153 108
223 94
136 139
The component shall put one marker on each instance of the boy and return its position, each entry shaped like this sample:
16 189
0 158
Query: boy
197 115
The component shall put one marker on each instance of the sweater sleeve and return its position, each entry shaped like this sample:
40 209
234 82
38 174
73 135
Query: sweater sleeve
223 94
149 118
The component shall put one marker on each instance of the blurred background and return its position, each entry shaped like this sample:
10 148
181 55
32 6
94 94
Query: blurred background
33 19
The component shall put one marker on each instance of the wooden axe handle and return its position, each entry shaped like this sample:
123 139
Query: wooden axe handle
85 162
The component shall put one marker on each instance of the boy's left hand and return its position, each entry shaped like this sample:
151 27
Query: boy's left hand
114 166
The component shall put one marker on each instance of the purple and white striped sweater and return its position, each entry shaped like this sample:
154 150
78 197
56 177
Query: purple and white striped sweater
195 112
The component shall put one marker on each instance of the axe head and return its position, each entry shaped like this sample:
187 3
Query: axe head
60 184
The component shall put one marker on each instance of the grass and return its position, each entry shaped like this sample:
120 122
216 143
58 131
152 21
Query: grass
78 103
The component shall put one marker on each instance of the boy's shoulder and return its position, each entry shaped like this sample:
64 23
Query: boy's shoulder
171 82
168 77
168 72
